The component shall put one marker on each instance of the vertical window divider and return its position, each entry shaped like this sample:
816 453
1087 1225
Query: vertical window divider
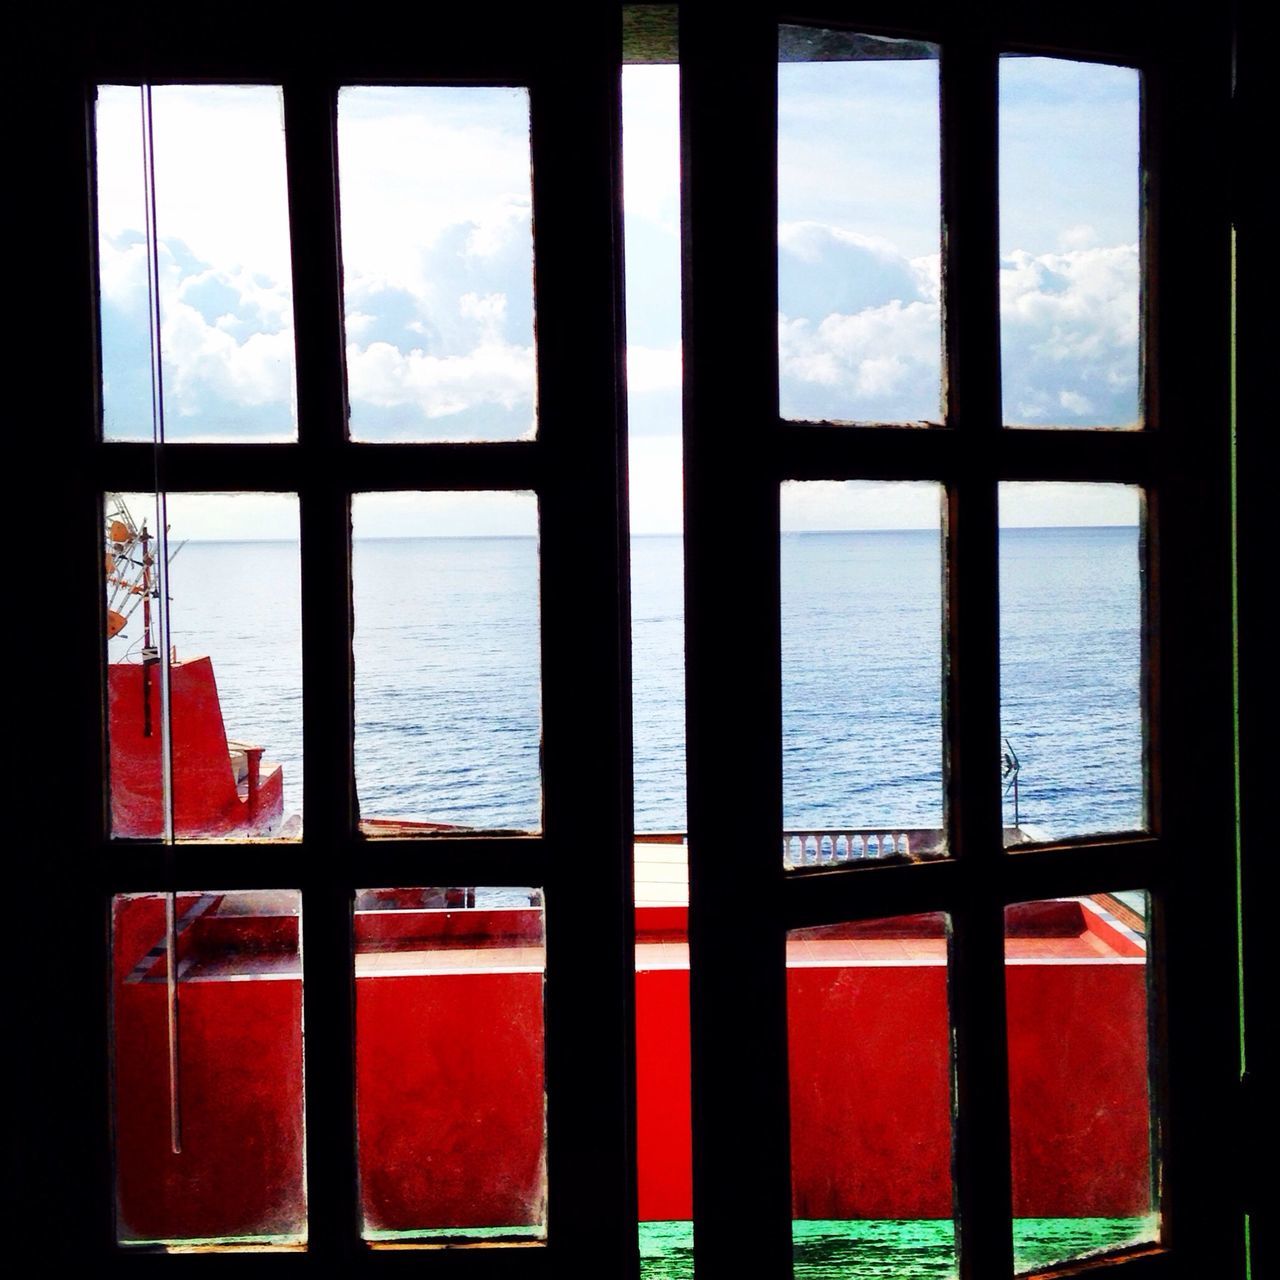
587 811
983 1184
310 107
737 937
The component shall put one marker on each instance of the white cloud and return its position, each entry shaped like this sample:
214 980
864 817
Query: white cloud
494 373
202 359
122 272
490 310
884 358
418 163
1070 335
811 241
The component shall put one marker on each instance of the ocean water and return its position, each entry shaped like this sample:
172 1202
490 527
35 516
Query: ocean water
448 709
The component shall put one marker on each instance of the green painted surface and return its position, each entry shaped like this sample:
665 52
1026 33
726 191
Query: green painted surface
459 1235
923 1250
1037 1242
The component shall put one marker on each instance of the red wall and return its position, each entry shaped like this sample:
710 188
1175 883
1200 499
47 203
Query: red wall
449 1083
451 1107
241 1168
205 801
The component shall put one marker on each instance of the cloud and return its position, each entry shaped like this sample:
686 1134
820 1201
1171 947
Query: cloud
226 341
1069 327
859 333
880 364
205 364
494 373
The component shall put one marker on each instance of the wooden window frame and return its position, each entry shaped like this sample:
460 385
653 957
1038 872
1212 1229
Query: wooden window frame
581 857
737 454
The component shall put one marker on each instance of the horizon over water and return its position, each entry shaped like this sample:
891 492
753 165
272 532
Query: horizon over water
446 649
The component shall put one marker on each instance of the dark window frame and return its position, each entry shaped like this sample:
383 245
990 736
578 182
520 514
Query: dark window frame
582 855
741 902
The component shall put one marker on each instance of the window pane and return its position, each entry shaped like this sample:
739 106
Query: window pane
222 251
1077 988
234 673
869 1051
449 1063
664 1138
1071 659
207 1070
651 155
448 687
1070 262
861 671
437 250
859 324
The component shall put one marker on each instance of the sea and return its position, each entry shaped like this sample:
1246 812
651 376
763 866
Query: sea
448 702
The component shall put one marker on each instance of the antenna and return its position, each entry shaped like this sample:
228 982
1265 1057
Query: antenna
1010 768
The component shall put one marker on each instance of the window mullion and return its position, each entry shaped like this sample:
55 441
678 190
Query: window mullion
324 511
586 848
972 336
733 709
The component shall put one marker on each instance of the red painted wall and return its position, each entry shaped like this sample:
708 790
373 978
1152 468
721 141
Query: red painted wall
205 801
451 1108
241 1168
450 1087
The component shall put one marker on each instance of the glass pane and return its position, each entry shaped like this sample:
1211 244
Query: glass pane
450 1088
859 323
233 675
222 252
437 251
664 1140
651 155
1070 264
1071 659
861 671
1076 982
448 684
207 1069
869 1052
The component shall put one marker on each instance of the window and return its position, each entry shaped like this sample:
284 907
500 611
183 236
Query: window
738 455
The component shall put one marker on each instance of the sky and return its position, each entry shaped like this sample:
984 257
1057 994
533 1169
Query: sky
437 260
